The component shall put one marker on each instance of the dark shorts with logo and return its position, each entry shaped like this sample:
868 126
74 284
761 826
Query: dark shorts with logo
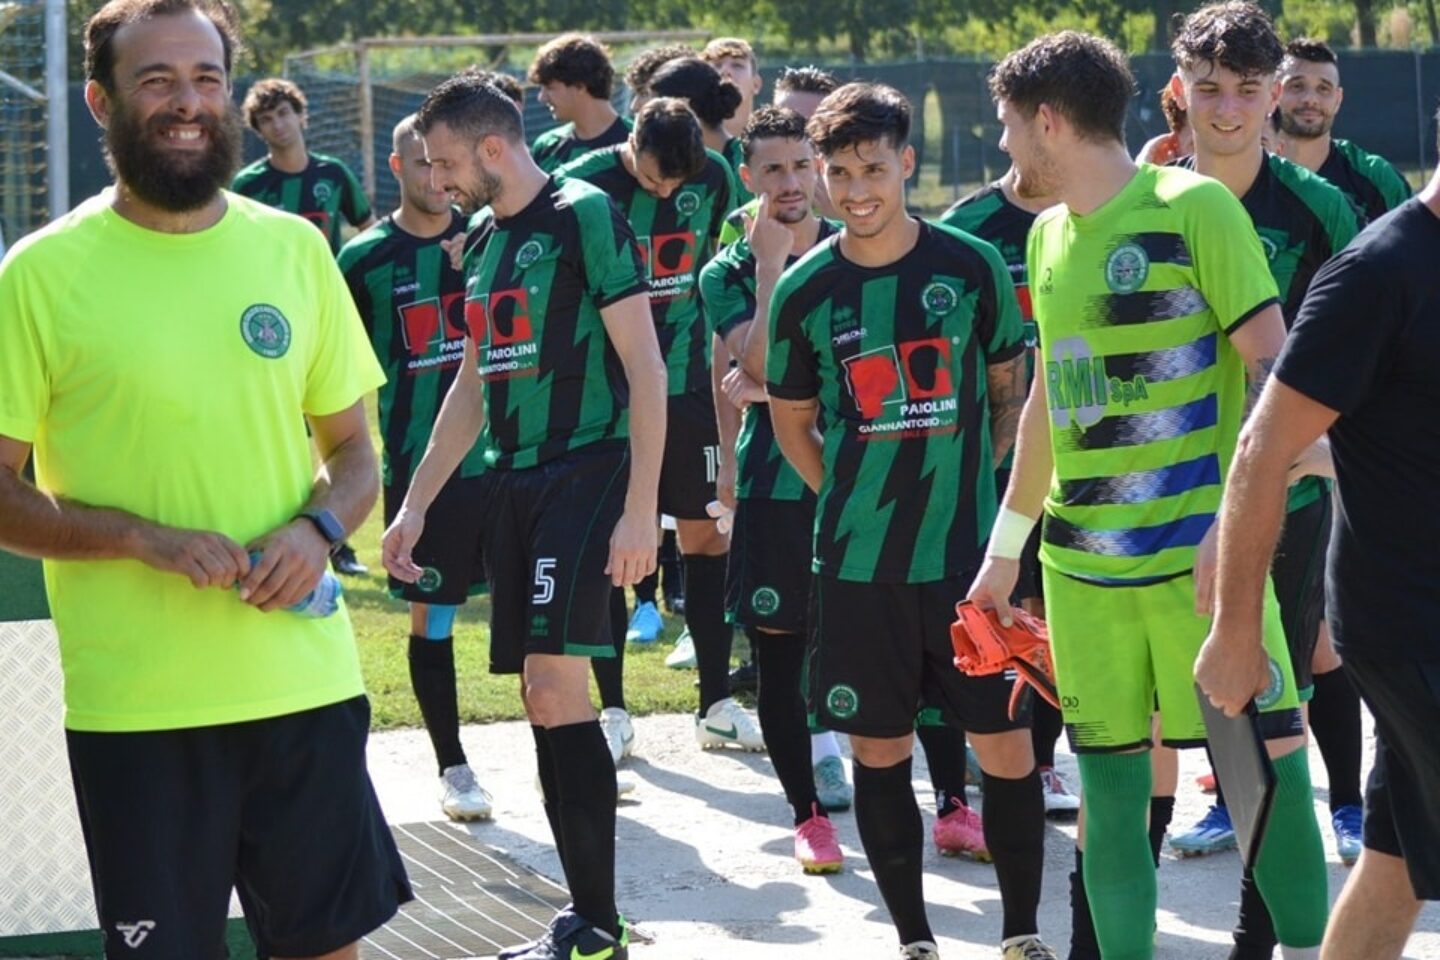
1298 572
879 650
173 819
767 582
450 550
547 540
1401 816
692 456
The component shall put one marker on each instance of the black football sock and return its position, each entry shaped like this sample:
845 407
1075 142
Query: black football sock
432 676
1335 721
645 589
705 618
549 788
780 659
1015 836
1045 727
1162 809
893 837
1219 788
585 775
1083 943
944 747
1254 931
610 671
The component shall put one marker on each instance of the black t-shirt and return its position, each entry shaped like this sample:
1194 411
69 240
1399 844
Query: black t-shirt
1367 344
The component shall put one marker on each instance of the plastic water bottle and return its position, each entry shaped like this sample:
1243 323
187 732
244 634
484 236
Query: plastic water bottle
323 601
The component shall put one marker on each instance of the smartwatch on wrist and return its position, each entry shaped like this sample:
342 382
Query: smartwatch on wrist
329 526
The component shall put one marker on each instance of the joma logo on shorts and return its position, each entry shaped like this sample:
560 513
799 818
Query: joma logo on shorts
135 933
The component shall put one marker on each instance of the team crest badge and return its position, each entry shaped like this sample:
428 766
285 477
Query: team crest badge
430 580
1271 250
529 252
322 191
765 601
265 330
939 298
1126 268
687 202
842 701
1272 693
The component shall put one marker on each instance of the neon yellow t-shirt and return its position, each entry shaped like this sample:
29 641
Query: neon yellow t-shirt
166 375
1135 303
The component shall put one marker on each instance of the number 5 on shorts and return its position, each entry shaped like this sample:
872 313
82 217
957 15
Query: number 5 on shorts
544 581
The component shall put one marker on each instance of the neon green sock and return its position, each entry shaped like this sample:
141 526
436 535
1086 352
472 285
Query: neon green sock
1119 874
1290 870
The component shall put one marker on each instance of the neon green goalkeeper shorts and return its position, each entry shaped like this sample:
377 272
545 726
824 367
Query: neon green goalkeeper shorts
1121 653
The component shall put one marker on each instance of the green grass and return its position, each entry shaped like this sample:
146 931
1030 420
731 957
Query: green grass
382 631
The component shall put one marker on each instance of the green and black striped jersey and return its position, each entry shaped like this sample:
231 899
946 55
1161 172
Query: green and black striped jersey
676 237
727 285
555 148
987 214
535 285
734 154
322 193
1371 182
896 357
412 303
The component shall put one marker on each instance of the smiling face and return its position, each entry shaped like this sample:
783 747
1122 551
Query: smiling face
783 169
1036 173
866 185
456 168
1228 112
173 135
560 98
1310 97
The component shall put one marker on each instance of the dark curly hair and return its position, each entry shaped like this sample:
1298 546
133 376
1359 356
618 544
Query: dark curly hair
1084 78
1236 35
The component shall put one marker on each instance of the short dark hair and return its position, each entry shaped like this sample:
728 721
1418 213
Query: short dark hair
1311 50
1176 117
508 85
713 98
102 27
576 60
809 79
1084 78
265 95
1236 35
666 129
646 62
860 113
770 123
473 107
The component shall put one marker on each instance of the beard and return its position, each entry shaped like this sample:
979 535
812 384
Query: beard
1037 179
1293 126
482 193
794 214
167 179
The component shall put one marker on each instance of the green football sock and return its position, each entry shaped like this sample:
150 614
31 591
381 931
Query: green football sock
1290 870
1119 874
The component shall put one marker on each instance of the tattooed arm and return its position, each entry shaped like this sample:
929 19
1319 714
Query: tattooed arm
1258 341
1006 383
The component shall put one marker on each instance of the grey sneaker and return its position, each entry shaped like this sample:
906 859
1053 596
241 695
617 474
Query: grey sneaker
831 788
461 796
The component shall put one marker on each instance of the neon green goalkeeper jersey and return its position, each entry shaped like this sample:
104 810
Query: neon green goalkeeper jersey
1135 303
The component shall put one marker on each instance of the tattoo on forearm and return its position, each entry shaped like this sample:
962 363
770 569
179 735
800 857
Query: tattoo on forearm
1007 384
1258 375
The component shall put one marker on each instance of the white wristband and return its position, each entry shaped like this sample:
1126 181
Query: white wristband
1008 536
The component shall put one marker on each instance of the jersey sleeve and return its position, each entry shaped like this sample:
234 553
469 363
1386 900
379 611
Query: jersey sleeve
354 205
1347 329
733 227
614 269
1230 264
1392 185
342 366
1001 328
1341 224
24 378
351 263
727 193
728 300
792 371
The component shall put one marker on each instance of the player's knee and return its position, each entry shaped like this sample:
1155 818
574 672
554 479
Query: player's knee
554 697
701 537
433 621
1010 755
880 752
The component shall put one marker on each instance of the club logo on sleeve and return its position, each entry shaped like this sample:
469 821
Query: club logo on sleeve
842 701
1126 268
265 330
687 202
529 252
939 299
765 601
322 191
1271 695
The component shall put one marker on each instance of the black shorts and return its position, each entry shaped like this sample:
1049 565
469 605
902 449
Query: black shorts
449 550
880 650
1029 585
692 456
1401 816
281 809
547 540
1299 576
767 582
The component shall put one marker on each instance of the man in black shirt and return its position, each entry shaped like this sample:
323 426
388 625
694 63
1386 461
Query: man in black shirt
1359 364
